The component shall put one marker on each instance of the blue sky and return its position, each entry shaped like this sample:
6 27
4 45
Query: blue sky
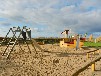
50 17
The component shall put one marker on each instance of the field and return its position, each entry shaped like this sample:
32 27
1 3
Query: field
97 44
55 61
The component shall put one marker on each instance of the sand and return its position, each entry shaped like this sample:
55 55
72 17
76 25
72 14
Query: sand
56 61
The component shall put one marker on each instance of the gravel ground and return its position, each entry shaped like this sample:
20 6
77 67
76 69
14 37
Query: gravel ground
56 61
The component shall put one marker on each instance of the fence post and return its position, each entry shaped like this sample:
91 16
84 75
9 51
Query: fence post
93 66
87 55
98 51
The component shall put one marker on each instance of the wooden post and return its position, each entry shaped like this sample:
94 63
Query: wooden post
87 55
98 51
93 66
95 40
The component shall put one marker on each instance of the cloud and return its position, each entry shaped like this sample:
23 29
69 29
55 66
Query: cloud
56 15
5 24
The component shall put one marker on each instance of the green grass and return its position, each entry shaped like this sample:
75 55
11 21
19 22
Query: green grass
98 44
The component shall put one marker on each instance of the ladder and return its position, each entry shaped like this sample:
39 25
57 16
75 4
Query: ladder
4 40
8 50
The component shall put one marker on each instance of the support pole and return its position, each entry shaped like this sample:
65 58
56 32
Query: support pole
93 66
28 47
77 42
87 55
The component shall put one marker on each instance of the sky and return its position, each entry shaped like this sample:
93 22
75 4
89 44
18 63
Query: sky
48 18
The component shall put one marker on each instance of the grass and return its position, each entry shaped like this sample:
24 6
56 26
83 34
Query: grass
98 44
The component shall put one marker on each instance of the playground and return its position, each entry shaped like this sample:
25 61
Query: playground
23 56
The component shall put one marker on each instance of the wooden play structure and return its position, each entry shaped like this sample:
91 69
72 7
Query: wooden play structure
15 40
90 38
98 39
71 42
